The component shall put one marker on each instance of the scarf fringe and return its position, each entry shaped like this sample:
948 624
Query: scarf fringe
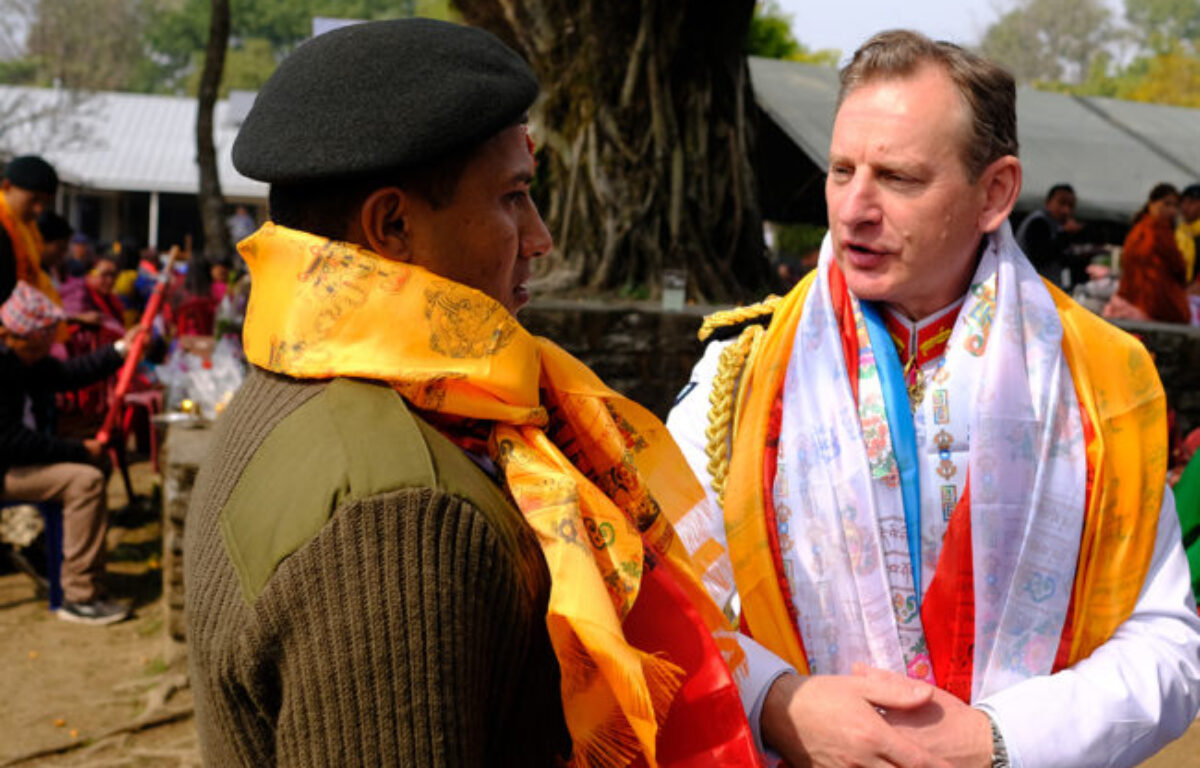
611 742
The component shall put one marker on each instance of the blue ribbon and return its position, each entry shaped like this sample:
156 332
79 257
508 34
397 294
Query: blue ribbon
902 432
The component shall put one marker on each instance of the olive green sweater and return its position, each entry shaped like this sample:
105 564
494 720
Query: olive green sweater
360 593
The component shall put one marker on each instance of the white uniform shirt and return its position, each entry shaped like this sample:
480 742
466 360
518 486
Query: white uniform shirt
1134 694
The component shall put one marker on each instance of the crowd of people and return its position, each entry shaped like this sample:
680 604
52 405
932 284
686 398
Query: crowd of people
69 314
1154 274
1152 278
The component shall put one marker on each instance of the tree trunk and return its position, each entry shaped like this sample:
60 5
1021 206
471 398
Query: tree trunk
212 202
644 126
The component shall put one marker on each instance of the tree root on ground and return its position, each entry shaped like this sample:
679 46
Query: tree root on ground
155 714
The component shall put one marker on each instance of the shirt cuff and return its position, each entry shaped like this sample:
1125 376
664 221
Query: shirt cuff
1013 754
762 669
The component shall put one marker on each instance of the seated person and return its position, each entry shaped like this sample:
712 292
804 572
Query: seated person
35 466
94 303
56 233
99 319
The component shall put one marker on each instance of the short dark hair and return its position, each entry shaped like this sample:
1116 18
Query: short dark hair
108 256
53 227
1059 188
327 207
988 90
1160 191
1191 192
33 173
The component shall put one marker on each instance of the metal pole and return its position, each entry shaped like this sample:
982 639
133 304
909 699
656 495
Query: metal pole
152 237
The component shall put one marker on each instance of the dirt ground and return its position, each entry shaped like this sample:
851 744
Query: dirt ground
116 697
67 686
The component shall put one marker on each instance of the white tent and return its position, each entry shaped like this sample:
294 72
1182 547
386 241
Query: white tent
1111 151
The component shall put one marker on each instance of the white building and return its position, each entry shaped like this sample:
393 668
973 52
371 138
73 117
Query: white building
127 161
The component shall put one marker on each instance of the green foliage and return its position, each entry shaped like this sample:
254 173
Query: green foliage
1008 42
797 240
770 33
1161 25
19 71
157 46
1050 39
635 292
770 36
1066 46
84 44
247 67
1172 77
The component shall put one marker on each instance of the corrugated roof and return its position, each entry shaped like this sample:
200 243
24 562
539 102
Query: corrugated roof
1111 151
119 141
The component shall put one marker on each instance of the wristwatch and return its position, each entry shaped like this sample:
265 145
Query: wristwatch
999 750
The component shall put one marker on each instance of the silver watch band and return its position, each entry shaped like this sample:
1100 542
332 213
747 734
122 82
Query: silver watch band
999 750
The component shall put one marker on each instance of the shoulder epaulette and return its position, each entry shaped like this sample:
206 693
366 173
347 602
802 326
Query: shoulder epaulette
729 323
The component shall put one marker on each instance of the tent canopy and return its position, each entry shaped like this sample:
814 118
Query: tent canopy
1111 151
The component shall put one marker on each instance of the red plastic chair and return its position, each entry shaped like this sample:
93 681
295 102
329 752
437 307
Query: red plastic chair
147 402
195 316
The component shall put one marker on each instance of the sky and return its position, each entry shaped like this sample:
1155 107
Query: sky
846 24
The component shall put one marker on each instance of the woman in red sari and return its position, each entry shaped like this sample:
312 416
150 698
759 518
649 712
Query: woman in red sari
1153 276
100 318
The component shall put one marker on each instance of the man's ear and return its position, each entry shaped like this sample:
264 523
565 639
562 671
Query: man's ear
1001 184
381 219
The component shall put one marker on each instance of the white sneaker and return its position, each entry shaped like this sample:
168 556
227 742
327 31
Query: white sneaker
96 611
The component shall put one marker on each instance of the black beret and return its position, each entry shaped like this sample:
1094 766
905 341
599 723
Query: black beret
53 227
378 96
33 173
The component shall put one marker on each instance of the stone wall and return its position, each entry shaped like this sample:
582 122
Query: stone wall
1176 351
183 450
638 349
647 354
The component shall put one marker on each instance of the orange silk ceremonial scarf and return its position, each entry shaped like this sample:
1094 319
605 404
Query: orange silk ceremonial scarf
1124 409
595 475
27 251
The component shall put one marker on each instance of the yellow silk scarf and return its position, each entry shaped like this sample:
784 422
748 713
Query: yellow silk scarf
1116 384
27 251
595 475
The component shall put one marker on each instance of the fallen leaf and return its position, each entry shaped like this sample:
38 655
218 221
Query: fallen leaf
59 722
74 734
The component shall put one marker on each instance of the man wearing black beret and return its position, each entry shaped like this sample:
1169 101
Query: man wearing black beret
27 189
424 536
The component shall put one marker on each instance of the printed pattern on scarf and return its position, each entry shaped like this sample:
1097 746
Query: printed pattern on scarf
594 474
1001 407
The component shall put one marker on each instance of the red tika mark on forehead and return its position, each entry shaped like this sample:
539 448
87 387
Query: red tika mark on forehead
530 145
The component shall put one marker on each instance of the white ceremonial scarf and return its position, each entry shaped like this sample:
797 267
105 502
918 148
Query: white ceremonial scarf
839 506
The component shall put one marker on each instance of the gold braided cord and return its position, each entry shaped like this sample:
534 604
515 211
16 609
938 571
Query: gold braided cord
722 413
736 315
